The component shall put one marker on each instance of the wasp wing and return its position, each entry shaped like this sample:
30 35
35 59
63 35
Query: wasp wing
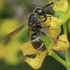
13 33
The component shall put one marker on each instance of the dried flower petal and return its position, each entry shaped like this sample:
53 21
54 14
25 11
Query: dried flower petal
62 43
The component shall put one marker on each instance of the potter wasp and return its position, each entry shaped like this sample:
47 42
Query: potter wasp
35 23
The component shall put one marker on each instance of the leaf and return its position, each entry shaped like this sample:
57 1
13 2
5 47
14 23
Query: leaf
45 40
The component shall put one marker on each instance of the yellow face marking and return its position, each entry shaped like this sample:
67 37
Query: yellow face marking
42 18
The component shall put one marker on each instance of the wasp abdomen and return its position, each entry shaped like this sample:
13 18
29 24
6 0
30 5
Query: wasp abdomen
37 43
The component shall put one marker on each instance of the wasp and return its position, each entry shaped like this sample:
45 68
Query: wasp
35 23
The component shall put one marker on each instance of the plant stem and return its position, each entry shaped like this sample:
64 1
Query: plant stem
66 52
65 28
54 55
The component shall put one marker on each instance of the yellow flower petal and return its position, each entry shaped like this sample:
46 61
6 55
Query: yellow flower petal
62 43
55 22
28 49
36 62
61 5
61 14
53 33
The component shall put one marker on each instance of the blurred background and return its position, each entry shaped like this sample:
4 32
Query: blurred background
14 13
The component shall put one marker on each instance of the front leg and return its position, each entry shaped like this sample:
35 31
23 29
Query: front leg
50 19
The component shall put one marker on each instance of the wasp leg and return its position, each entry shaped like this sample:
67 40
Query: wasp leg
30 28
50 19
42 25
43 33
55 40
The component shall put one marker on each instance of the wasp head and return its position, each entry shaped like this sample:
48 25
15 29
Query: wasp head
41 13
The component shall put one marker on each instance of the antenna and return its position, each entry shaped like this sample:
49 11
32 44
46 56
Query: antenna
48 5
34 5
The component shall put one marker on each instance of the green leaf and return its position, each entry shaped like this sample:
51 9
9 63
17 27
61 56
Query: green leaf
60 14
45 40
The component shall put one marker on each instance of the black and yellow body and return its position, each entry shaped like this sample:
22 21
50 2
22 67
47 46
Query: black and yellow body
35 24
37 43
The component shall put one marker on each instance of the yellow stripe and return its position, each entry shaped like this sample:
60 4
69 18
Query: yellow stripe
35 39
40 46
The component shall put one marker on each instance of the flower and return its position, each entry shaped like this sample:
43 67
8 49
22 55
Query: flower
36 62
28 49
62 43
61 14
53 33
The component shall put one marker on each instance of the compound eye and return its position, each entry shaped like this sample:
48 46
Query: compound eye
39 11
